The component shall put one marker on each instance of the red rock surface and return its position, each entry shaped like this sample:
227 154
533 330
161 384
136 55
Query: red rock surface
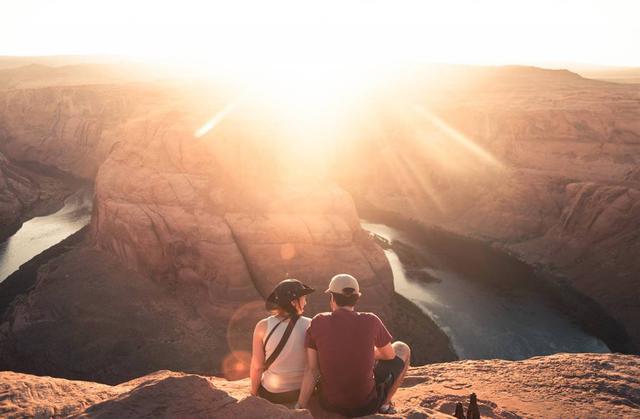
218 209
558 386
164 394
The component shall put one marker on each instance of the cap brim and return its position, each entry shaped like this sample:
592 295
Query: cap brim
328 290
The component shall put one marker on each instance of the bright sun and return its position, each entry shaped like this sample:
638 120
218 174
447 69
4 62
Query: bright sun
312 90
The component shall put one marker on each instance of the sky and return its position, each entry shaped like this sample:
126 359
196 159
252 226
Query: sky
454 31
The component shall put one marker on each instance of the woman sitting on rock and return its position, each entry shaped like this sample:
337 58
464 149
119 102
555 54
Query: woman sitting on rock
278 357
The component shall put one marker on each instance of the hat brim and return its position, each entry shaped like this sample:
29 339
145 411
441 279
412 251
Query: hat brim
272 304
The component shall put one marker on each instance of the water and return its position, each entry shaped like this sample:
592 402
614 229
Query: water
500 312
40 233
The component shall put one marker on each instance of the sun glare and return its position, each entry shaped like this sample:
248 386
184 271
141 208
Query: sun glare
310 93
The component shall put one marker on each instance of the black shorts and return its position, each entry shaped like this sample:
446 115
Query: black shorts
385 373
279 398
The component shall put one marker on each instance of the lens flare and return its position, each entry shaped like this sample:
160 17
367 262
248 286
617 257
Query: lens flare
457 136
235 366
216 119
239 332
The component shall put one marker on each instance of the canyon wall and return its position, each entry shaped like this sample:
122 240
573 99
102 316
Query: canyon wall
70 128
17 193
546 168
26 193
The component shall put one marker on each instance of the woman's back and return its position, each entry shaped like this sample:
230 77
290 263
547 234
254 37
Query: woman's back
286 372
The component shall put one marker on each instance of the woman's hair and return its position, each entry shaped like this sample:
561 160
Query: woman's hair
288 311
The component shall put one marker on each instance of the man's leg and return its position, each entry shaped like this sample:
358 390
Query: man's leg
403 352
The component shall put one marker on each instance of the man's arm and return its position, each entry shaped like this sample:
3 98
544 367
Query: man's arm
311 375
257 357
382 343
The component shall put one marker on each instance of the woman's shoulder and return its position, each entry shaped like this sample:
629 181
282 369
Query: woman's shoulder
261 326
304 320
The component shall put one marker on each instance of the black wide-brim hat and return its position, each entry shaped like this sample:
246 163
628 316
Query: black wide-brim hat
285 292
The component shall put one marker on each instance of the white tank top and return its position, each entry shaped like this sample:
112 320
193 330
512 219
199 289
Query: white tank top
286 372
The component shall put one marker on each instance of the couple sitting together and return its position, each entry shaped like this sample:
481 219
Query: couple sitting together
344 356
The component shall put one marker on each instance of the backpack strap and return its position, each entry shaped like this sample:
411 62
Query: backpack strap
283 341
264 344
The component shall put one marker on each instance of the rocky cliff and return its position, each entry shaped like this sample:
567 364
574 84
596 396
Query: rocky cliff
544 167
16 194
25 193
70 128
557 386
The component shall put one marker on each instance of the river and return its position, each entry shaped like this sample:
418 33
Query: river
489 305
40 233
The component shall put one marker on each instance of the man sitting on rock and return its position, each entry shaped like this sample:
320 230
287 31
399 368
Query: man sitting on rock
351 356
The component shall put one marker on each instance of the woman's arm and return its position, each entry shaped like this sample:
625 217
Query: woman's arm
257 356
311 375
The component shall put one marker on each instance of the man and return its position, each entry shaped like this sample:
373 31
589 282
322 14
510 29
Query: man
351 354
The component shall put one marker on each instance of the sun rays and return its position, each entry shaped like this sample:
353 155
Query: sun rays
420 151
456 136
428 156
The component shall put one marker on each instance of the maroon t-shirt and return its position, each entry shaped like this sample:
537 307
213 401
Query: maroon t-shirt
344 340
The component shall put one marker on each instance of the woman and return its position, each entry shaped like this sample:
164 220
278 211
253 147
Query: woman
278 357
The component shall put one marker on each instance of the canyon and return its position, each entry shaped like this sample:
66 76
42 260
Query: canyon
192 228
